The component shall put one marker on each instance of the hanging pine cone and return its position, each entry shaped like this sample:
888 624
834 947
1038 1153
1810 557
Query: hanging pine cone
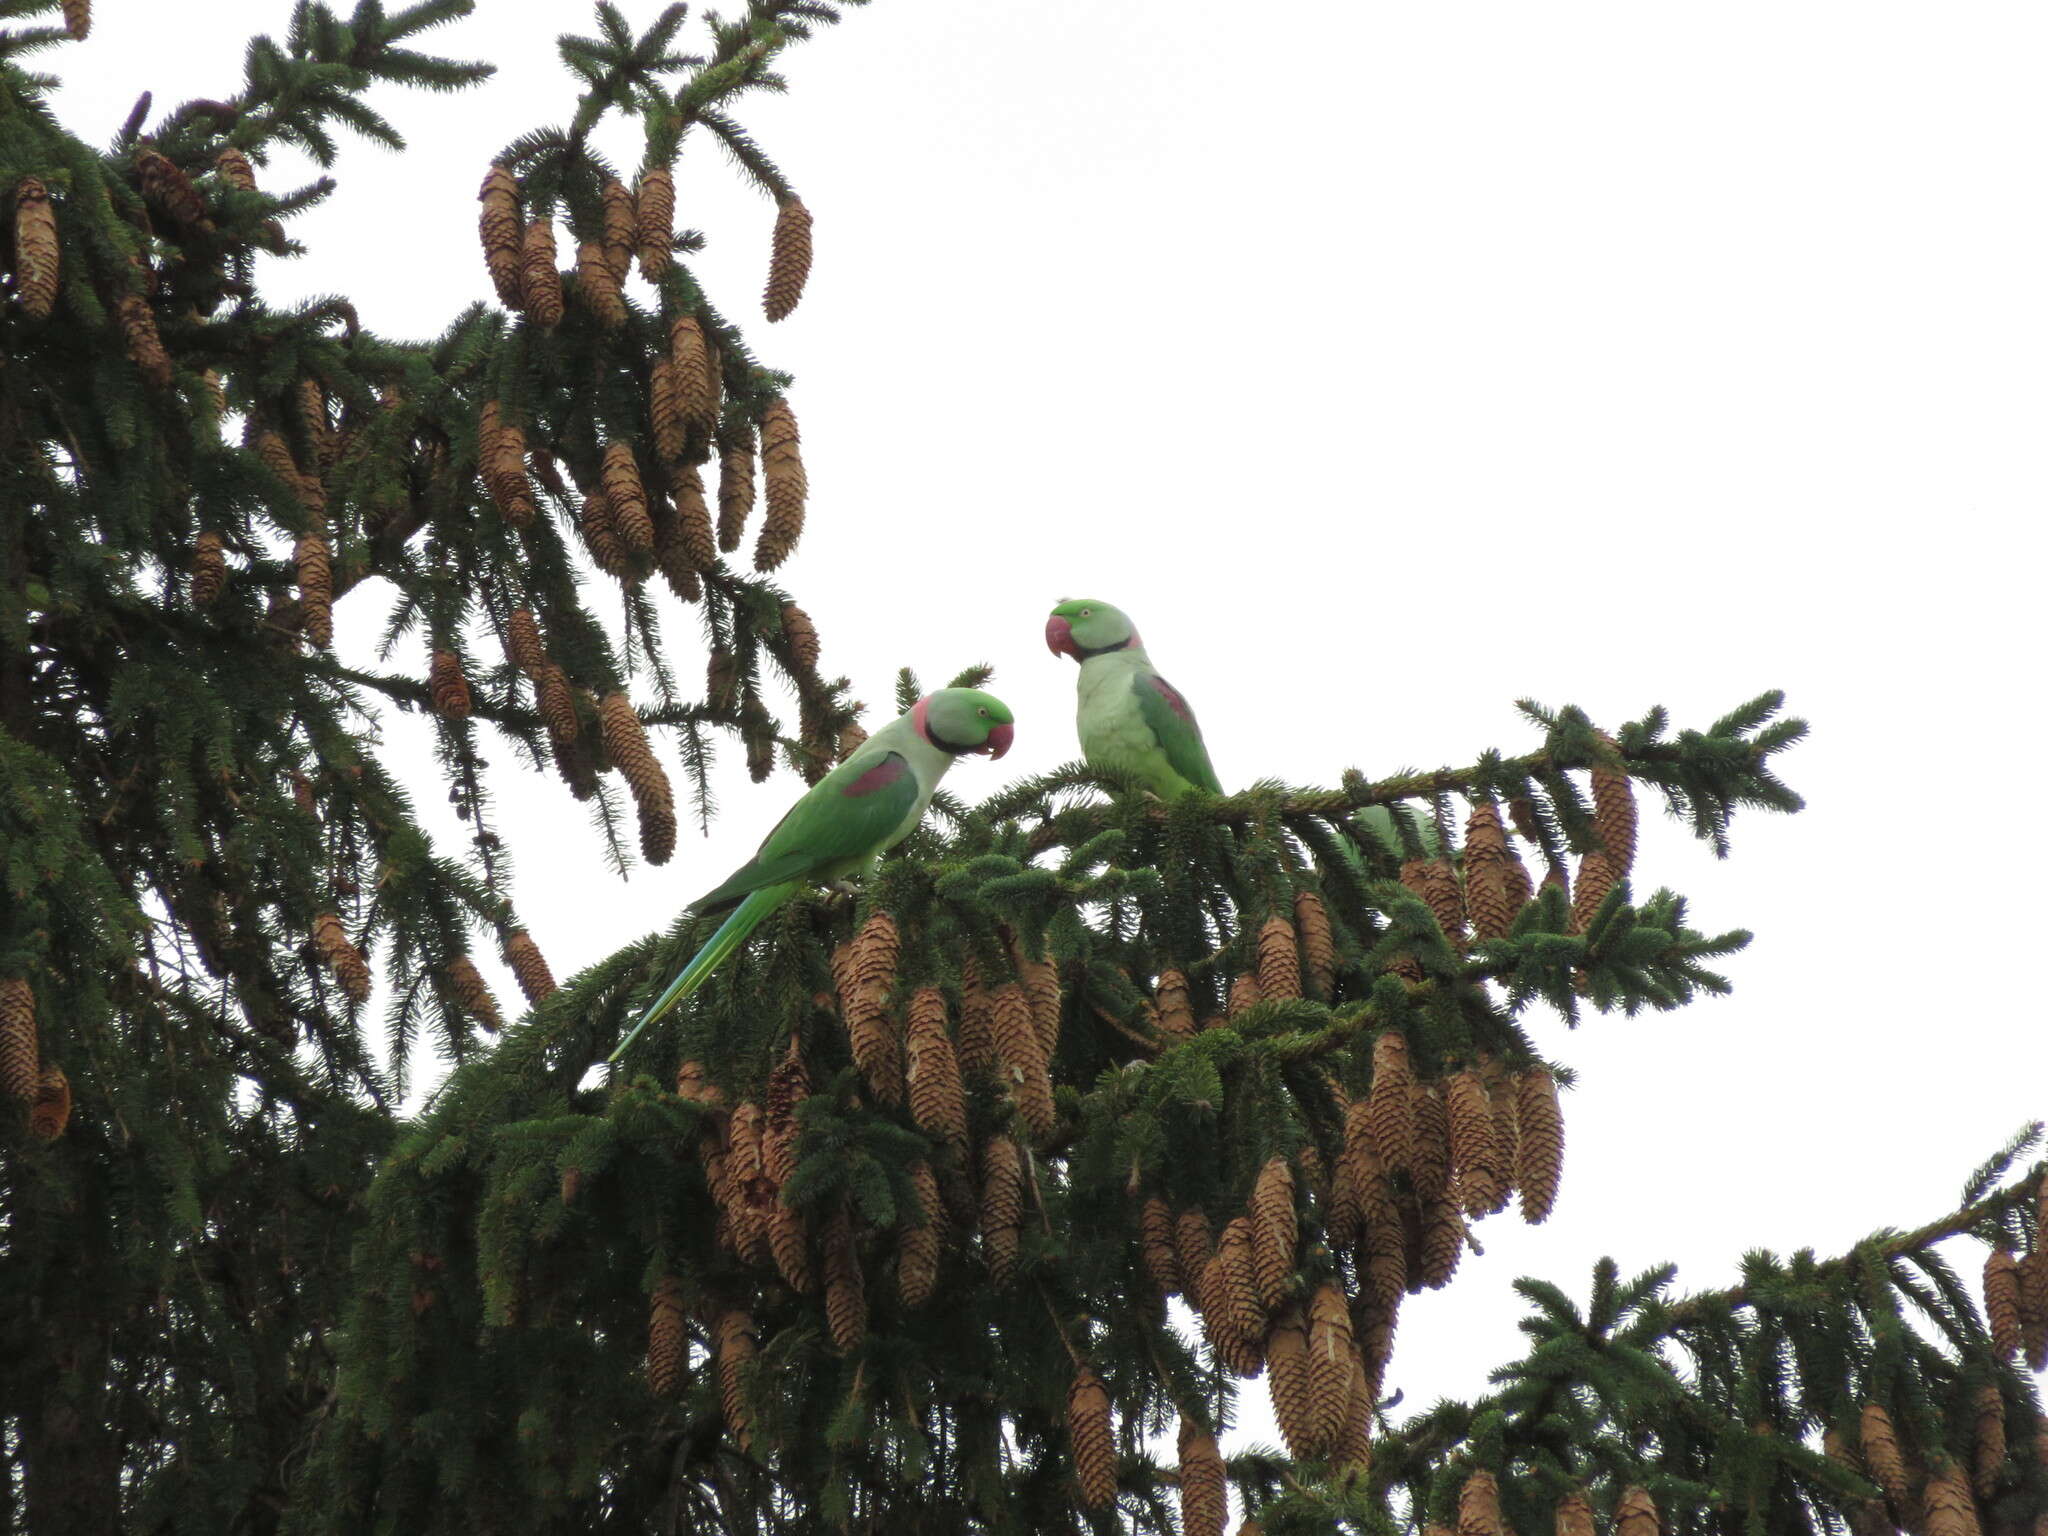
597 288
1436 882
1881 1454
1279 960
788 1245
696 381
165 185
1443 1241
447 687
655 211
35 248
801 636
1487 893
498 228
20 1071
2002 1301
1946 1506
1023 1062
782 467
1274 1230
693 520
1614 814
145 346
1287 1380
2034 1305
1176 1012
1330 1361
501 462
311 401
209 569
938 1101
1002 1207
540 284
1091 1435
1597 876
350 970
736 1351
665 411
473 994
667 1342
313 562
1204 1490
1479 1505
788 1086
1539 1156
529 968
1244 994
851 736
234 168
789 262
917 1253
1192 1250
600 537
1318 940
1482 1173
1375 1322
626 499
1390 1104
523 645
1232 1315
1988 1444
50 1113
620 228
1155 1246
1575 1514
557 703
1041 983
735 483
78 18
625 741
1636 1514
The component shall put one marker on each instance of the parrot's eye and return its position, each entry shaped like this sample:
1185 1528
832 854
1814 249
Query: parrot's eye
1087 612
983 713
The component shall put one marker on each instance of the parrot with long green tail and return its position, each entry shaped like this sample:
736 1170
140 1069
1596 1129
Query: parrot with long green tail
851 817
1133 721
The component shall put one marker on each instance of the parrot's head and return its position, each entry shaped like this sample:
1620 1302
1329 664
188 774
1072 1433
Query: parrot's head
961 720
1089 627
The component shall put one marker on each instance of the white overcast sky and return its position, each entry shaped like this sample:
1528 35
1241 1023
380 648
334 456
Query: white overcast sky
1389 364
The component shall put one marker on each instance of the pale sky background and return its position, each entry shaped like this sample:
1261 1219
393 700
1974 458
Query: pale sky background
1388 367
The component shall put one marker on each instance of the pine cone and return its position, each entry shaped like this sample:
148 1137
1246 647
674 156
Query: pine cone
1479 1505
78 18
846 1303
736 1351
209 569
748 1192
529 969
1481 1170
1231 1312
1279 960
654 212
2034 1304
626 498
1330 1358
1176 1014
557 701
1354 1439
501 462
499 229
693 518
1390 1103
782 467
234 168
523 643
1023 1063
621 232
448 688
1155 1246
601 537
165 185
1287 1379
788 1245
1318 940
314 422
1881 1454
938 1101
51 1111
1436 882
851 736
1376 1322
801 636
145 346
1539 1156
1575 1514
1946 1506
1002 1207
1204 1492
471 992
667 1342
540 284
665 411
314 565
1192 1250
1487 885
790 261
1041 982
917 1254
35 248
597 286
20 1072
2002 1302
625 742
1597 876
1274 1231
342 957
1094 1444
1988 1440
735 484
1443 1241
1614 814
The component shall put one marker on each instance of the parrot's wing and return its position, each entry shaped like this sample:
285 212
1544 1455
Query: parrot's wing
848 815
1172 723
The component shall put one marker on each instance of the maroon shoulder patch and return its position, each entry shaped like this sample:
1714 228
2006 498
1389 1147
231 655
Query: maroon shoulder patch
1173 699
891 768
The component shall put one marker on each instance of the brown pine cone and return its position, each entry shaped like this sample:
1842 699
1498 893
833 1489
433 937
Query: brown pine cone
697 380
78 18
1376 1322
1487 883
51 1111
1353 1449
557 703
314 422
1988 1440
654 211
601 537
314 564
1946 1506
789 262
501 463
523 643
1274 1231
919 1240
851 736
145 346
1318 940
1636 1514
789 1246
1170 999
498 228
1575 1514
736 1351
1231 1312
668 1344
1429 1169
529 968
1094 1443
597 286
20 1069
1881 1454
625 741
1614 814
447 687
1443 1241
789 1084
735 483
1477 1160
1597 876
1244 993
1331 1353
1279 960
540 284
209 568
1539 1156
342 957
2002 1302
1192 1250
1479 1505
1295 1408
234 168
1002 1207
846 1302
1390 1103
1023 1062
1436 882
693 519
1204 1490
626 498
165 185
801 636
1041 982
621 228
2034 1305
938 1101
782 467
473 994
35 248
1155 1247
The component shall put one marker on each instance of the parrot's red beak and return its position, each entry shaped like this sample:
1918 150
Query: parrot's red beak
999 739
1059 638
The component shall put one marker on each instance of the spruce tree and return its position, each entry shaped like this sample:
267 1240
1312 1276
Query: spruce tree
971 1202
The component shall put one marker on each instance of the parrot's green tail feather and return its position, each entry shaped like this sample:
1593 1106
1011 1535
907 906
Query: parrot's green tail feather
732 933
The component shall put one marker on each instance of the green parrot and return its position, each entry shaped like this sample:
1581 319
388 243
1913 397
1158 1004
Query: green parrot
1133 721
851 817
